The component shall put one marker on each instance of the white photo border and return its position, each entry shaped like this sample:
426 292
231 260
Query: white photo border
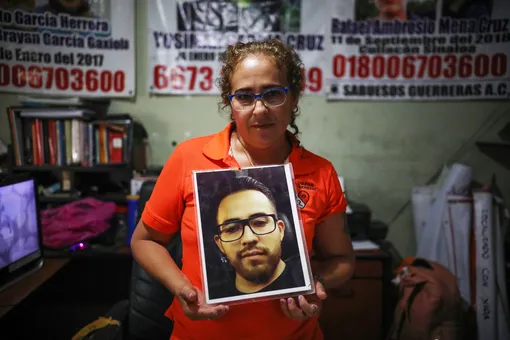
307 288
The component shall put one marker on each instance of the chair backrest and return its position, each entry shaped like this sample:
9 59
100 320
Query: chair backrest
149 299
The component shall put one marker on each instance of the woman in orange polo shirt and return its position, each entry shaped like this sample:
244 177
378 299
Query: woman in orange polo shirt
261 84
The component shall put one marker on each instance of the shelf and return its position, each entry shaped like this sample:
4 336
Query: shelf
97 168
113 197
119 249
504 133
498 151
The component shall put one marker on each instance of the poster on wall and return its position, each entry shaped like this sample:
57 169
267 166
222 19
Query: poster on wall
419 50
186 38
79 48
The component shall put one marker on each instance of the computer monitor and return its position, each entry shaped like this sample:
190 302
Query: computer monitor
20 229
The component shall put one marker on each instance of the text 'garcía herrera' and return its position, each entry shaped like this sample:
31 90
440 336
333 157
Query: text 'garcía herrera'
48 20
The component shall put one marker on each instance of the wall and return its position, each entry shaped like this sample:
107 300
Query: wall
382 149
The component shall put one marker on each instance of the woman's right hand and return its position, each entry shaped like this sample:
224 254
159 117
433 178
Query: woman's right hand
193 304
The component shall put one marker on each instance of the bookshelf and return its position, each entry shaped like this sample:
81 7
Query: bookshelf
499 151
72 153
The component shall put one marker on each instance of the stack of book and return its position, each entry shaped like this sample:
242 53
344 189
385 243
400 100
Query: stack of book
68 136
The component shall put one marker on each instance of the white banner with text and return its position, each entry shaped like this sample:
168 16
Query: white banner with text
185 39
75 48
419 50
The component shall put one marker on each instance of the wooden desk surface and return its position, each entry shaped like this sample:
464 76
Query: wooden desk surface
13 295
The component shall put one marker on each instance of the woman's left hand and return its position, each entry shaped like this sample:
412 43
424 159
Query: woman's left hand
304 306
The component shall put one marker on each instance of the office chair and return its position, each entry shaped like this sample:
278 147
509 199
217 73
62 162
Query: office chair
142 315
149 299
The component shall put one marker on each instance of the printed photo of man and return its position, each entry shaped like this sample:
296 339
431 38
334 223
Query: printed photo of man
467 9
78 8
12 5
391 10
254 242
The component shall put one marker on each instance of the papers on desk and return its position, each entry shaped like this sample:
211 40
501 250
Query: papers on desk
348 210
342 183
357 245
364 245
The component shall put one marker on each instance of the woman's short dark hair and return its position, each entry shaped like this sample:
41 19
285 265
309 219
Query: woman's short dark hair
283 55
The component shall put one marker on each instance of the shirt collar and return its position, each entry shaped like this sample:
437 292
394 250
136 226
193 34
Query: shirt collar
218 149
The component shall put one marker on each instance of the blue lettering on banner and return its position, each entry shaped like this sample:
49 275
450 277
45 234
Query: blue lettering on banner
58 40
468 26
215 40
208 40
25 19
421 27
5 17
176 41
83 24
306 42
98 43
19 37
51 21
62 40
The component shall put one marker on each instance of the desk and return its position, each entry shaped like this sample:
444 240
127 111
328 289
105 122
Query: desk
362 309
53 262
13 295
64 295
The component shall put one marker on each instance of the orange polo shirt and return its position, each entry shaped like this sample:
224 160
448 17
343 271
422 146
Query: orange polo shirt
171 209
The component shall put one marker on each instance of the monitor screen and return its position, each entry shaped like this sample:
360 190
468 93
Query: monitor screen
19 225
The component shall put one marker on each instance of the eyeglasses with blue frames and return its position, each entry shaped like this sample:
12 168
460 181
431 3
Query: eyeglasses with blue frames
258 224
273 97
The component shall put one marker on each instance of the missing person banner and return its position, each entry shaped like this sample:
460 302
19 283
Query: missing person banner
81 48
186 37
419 50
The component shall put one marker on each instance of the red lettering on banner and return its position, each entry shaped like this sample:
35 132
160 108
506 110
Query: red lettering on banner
311 79
183 77
314 79
419 66
63 79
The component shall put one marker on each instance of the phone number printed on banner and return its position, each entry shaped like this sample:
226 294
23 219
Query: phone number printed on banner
62 79
419 66
201 79
183 78
313 82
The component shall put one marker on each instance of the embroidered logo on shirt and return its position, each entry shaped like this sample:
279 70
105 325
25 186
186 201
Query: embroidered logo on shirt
306 185
302 198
